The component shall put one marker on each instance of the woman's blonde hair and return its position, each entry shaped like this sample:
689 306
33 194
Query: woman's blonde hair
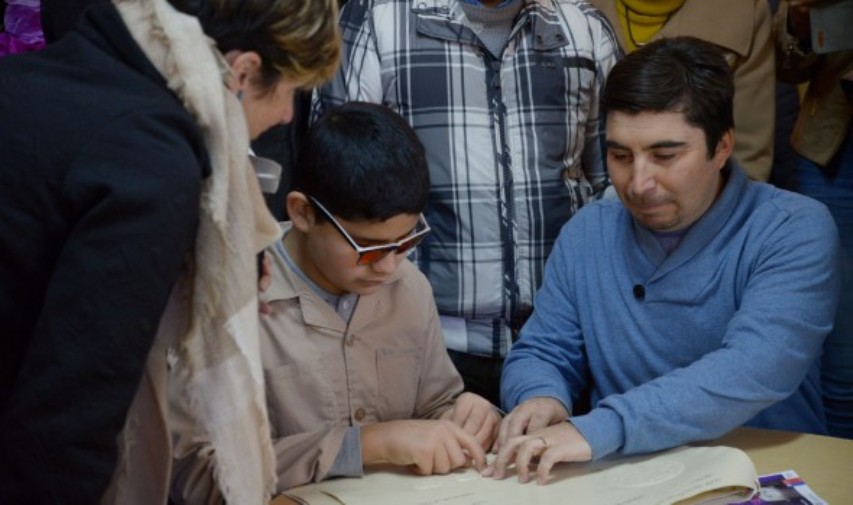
297 39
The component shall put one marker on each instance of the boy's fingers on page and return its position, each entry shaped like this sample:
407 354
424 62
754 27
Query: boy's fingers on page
421 469
462 409
488 429
470 445
456 455
265 273
475 419
424 462
441 460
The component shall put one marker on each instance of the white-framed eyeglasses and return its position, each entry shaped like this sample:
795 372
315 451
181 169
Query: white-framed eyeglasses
371 254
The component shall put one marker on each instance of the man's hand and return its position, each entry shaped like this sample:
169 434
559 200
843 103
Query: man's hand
554 444
529 416
476 416
426 446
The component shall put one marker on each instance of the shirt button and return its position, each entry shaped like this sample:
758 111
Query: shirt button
359 414
350 340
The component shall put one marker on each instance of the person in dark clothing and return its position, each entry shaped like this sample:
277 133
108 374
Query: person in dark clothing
102 191
59 16
279 143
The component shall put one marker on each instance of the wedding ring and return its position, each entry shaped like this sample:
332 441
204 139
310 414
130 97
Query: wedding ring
544 442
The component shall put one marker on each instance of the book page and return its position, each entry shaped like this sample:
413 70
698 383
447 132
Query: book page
684 475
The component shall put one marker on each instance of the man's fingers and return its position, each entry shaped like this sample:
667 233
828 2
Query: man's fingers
547 460
518 425
513 425
502 460
538 421
527 450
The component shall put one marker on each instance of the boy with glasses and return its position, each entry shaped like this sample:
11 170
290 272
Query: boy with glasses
355 364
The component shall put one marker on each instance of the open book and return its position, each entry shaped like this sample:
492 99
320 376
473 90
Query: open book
684 475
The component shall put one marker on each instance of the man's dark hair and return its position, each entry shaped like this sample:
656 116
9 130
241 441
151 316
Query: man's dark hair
362 161
679 74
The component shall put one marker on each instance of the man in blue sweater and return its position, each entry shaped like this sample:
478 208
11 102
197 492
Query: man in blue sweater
696 304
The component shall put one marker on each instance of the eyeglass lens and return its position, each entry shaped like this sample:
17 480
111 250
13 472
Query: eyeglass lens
372 256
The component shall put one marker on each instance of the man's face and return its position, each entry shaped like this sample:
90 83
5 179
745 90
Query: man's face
331 260
660 168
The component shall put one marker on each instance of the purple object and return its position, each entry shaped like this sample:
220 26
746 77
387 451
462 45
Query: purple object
23 28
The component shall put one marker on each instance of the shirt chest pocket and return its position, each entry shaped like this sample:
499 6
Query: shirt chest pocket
398 372
554 79
300 396
557 93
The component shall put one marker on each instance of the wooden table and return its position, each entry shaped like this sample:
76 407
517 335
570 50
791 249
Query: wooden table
824 463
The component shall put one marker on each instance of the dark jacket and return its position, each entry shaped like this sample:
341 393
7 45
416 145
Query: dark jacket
59 16
100 175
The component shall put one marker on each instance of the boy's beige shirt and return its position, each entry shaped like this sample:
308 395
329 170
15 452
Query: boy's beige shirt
323 376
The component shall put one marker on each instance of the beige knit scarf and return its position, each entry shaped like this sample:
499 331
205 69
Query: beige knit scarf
211 322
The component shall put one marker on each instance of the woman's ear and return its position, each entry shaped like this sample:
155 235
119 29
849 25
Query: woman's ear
299 211
245 66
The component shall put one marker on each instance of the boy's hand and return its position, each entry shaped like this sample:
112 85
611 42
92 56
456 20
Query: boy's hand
426 446
476 416
529 416
560 442
264 279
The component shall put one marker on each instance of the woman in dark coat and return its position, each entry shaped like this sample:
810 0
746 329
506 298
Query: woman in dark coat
115 158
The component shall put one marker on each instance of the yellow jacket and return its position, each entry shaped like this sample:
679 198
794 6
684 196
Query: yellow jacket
743 28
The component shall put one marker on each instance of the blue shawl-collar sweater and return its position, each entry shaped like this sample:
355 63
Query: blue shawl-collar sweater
725 331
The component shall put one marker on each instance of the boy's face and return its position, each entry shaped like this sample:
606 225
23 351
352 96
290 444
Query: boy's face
331 261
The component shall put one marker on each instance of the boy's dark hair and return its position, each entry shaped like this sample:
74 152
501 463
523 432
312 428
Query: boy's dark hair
678 74
362 161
